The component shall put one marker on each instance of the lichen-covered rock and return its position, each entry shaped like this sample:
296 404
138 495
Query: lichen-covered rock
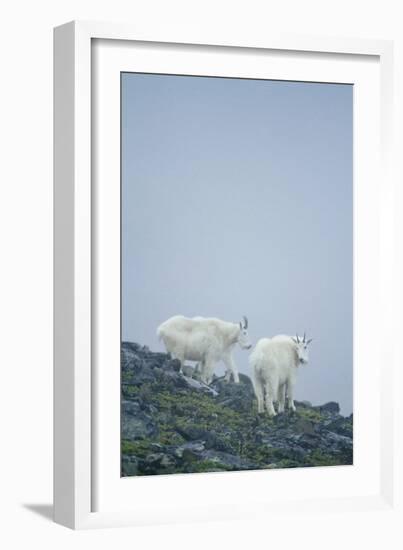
135 423
130 465
227 460
198 385
173 423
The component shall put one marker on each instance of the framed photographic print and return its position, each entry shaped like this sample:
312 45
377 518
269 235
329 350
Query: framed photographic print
216 221
222 275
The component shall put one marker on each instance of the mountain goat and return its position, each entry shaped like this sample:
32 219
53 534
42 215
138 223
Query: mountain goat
205 340
274 363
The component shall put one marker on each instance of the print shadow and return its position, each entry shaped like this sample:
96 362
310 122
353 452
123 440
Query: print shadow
43 510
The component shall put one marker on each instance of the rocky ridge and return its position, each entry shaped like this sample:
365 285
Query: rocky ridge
173 423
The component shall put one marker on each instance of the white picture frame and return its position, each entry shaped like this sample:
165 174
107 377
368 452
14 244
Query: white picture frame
84 427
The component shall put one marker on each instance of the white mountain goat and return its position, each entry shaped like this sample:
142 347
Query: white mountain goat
274 363
205 340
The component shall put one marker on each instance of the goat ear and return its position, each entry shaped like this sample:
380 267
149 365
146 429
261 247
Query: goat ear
294 339
309 341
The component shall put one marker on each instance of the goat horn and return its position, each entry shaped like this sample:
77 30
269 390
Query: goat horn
245 320
304 340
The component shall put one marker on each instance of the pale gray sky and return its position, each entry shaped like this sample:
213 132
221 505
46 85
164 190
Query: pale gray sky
237 199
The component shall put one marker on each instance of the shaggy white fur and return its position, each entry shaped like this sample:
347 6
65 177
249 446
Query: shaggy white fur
274 363
207 340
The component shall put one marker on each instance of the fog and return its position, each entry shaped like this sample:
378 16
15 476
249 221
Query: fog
237 199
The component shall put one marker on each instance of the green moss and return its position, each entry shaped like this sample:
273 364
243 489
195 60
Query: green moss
139 448
317 458
207 466
170 437
310 414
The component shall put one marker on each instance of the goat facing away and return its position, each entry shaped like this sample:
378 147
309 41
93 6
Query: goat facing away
274 363
206 340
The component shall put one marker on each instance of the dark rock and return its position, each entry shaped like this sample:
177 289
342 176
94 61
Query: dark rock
136 424
341 426
338 442
188 371
244 379
286 447
302 425
156 447
173 364
131 408
130 466
167 461
331 407
154 458
189 455
230 461
239 397
177 380
211 439
192 448
197 385
192 432
157 463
